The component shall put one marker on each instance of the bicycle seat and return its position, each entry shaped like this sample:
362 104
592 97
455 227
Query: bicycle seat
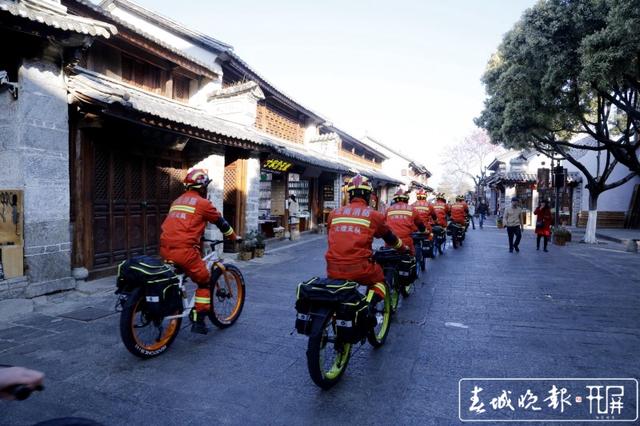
387 255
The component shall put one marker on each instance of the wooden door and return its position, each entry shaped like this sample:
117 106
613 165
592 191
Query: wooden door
131 197
234 192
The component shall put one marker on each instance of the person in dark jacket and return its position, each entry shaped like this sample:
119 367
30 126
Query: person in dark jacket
544 219
482 210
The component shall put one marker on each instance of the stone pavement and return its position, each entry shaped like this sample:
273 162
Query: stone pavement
480 312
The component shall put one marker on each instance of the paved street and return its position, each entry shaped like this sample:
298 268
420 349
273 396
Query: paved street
482 312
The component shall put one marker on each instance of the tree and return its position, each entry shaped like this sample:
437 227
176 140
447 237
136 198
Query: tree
547 88
469 158
452 185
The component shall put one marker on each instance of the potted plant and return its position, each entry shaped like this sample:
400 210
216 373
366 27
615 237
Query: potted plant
247 246
499 223
260 245
561 235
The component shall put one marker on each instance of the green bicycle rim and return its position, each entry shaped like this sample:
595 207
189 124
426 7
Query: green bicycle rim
339 363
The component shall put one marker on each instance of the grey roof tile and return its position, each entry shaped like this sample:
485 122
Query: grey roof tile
59 20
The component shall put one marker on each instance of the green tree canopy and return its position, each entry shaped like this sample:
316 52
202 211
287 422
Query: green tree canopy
569 68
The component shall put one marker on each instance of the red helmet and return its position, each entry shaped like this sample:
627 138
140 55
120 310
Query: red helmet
421 195
400 195
196 179
359 182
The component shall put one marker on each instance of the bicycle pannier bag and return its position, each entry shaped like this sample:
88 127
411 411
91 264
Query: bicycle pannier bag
407 270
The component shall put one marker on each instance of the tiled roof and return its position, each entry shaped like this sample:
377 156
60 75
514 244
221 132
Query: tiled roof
124 24
167 23
86 85
225 50
58 18
511 178
237 89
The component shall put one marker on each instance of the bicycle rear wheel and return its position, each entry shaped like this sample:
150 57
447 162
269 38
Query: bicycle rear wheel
327 357
142 335
227 296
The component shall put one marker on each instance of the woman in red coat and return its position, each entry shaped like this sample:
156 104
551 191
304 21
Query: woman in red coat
543 223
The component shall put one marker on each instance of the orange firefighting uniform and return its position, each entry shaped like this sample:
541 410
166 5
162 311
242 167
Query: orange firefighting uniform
459 212
403 219
442 210
180 239
351 230
426 212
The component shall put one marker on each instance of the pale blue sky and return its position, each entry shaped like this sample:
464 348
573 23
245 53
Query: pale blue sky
407 72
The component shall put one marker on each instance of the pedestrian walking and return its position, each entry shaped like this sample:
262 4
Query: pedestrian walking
513 221
472 213
483 209
293 208
543 224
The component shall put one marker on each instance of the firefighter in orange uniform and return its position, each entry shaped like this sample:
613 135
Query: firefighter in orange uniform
441 209
182 231
403 219
351 230
425 210
459 211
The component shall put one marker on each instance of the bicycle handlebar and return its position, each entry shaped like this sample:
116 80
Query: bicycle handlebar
22 392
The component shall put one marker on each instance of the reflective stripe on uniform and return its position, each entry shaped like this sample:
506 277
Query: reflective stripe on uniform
421 208
398 244
229 232
381 287
204 300
351 220
400 213
182 208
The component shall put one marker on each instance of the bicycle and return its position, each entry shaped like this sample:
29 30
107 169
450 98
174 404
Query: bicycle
336 316
440 240
147 334
423 249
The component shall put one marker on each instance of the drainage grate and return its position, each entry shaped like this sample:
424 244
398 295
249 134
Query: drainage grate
87 314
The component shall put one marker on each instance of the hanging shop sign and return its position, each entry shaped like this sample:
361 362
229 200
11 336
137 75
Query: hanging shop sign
276 165
328 192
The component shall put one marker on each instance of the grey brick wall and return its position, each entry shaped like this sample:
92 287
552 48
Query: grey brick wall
34 156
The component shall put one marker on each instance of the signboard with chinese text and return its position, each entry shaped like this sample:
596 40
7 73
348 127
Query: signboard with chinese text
328 192
277 165
548 399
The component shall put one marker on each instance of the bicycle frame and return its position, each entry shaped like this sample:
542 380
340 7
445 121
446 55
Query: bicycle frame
210 259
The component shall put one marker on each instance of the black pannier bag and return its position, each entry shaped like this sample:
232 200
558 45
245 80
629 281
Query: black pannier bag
427 248
407 270
159 281
340 295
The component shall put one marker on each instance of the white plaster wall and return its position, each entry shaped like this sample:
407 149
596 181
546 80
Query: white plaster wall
616 199
253 194
214 164
240 109
183 44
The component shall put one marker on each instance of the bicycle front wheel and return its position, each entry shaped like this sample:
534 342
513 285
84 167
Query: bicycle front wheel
378 333
227 296
391 278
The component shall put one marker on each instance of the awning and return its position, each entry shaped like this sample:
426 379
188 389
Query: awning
89 87
308 157
56 17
